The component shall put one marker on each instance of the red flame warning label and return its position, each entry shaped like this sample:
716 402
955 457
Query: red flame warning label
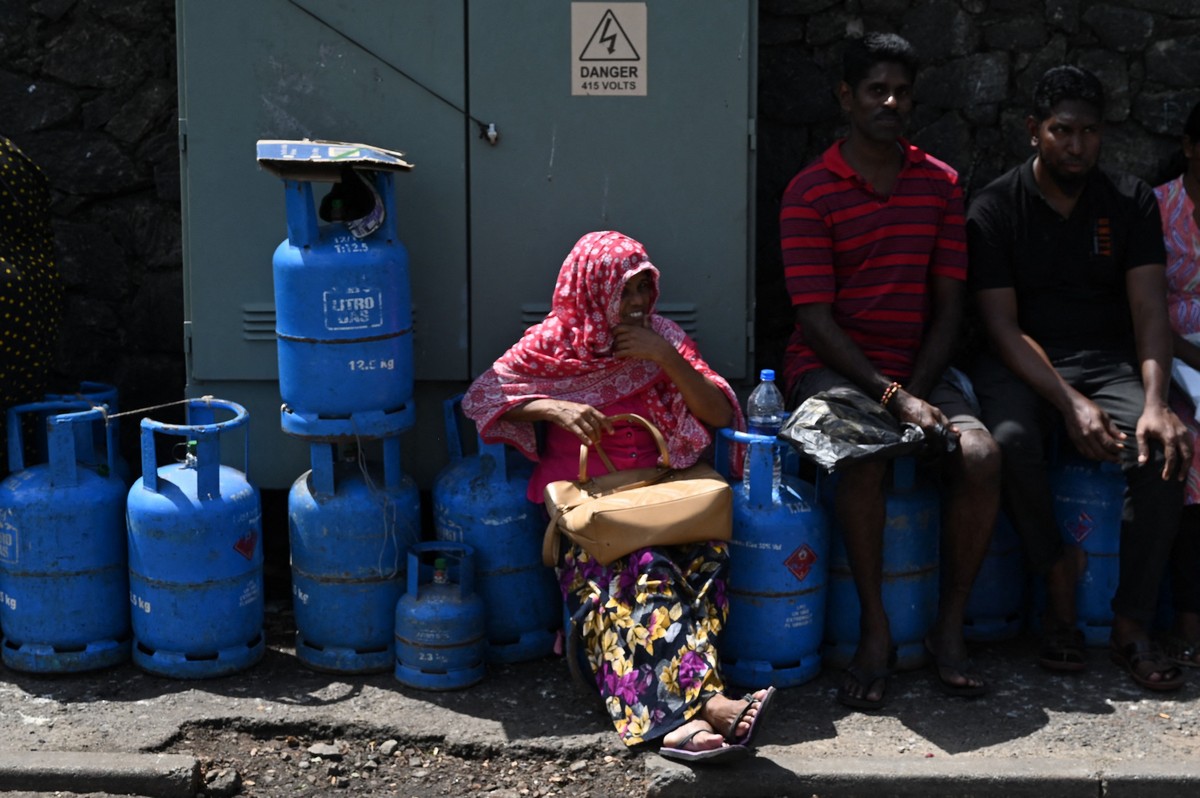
801 561
246 544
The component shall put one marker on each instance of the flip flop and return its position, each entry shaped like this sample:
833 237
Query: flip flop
726 753
750 700
1063 650
866 680
1130 655
963 667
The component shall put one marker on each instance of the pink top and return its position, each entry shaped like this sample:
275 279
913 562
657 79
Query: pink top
1182 238
631 446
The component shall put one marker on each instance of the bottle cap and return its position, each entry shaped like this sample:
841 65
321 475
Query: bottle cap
767 375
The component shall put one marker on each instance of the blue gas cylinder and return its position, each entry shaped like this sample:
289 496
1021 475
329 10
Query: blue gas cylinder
996 607
910 572
350 524
480 500
440 621
343 320
778 563
63 571
98 394
195 552
1088 502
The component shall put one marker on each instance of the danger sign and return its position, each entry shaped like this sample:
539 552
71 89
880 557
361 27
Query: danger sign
608 49
801 561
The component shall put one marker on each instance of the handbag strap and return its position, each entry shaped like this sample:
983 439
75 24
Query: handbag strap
659 441
552 540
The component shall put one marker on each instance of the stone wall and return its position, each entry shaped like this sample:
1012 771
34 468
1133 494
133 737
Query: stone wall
88 89
980 60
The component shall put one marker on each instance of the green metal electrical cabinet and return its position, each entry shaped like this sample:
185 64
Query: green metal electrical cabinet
528 124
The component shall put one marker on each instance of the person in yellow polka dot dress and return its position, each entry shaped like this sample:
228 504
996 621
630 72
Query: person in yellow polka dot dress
30 287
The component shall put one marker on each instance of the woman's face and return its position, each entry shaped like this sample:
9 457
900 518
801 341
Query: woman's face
1191 151
636 297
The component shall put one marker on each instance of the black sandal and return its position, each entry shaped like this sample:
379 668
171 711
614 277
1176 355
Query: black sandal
1063 650
865 680
1180 650
1133 656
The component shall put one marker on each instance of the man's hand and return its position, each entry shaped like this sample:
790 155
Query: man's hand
909 409
1158 422
1094 434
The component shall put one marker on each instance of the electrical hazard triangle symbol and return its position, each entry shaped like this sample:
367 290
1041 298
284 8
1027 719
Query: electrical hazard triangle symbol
609 42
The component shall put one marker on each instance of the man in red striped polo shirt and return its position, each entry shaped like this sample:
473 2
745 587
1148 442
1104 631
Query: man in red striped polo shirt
874 257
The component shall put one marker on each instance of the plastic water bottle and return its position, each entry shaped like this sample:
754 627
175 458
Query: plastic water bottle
766 414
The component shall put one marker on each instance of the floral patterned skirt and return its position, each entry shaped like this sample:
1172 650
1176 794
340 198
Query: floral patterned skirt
649 631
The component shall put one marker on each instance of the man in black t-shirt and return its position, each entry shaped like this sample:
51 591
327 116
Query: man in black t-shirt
1066 266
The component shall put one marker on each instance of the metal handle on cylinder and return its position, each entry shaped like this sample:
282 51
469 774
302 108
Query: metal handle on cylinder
61 442
461 551
205 430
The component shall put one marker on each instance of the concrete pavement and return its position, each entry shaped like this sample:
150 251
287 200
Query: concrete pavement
1034 734
776 774
157 775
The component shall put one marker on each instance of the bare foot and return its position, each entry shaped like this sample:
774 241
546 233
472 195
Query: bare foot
703 738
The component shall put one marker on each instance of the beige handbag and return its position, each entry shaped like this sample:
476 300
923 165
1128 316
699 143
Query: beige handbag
620 512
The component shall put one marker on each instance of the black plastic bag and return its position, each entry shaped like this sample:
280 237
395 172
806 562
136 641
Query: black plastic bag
841 426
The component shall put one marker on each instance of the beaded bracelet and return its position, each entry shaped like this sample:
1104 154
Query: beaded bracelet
888 393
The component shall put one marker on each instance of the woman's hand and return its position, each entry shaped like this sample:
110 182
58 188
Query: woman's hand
641 342
704 399
583 421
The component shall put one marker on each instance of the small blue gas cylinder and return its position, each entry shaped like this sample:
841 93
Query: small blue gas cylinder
910 572
343 317
778 567
996 607
1088 502
63 572
350 523
480 500
440 621
99 394
195 552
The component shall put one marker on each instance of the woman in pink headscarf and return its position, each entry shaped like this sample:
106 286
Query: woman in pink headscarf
649 620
